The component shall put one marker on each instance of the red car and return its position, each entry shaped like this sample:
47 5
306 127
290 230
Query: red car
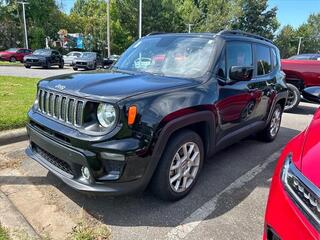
14 54
301 71
293 210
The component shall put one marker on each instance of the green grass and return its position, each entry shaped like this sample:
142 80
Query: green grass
3 63
17 94
4 234
86 230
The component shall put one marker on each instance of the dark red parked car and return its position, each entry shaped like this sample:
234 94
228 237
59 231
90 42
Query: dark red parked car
14 54
301 71
293 210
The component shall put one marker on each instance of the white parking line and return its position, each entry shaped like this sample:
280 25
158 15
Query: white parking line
191 222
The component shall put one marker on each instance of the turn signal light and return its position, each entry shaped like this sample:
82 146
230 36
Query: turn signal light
132 113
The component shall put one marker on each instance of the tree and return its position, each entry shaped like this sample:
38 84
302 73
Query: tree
217 15
287 41
255 18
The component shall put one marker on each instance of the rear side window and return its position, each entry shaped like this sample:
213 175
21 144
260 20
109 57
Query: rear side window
239 54
263 60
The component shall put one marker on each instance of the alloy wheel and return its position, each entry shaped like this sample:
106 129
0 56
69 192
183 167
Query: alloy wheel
291 100
184 167
275 122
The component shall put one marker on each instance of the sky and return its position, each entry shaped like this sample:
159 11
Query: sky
293 12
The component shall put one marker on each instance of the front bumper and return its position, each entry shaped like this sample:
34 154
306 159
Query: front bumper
284 218
66 161
34 63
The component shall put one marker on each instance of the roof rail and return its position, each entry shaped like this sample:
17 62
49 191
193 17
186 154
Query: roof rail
156 33
246 34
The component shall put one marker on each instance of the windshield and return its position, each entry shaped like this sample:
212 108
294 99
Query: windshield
45 52
89 55
172 56
12 50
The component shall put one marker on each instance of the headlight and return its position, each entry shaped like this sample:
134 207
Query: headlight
303 192
106 114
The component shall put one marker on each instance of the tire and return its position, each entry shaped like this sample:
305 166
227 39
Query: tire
75 69
271 131
294 97
13 59
61 65
160 184
27 66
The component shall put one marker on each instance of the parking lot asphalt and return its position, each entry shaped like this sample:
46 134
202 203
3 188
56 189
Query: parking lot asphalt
228 202
35 72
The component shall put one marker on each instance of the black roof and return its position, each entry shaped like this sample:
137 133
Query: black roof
223 33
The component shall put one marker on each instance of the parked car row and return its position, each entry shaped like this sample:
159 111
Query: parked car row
49 57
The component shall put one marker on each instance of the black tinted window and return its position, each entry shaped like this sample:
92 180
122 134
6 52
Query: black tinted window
239 54
263 59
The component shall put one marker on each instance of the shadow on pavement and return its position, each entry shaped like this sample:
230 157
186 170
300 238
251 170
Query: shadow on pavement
145 210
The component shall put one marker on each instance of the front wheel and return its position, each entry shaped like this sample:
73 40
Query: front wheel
27 66
75 69
61 65
271 131
179 166
294 97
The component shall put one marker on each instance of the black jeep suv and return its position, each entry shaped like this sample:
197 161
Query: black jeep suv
170 101
44 58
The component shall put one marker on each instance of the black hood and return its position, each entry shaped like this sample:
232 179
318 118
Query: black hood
111 86
36 56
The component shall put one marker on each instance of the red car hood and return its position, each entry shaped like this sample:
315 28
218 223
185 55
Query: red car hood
310 159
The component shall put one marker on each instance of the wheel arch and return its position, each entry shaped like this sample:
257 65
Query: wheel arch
203 123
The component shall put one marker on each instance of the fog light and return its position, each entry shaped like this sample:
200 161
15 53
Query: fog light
85 173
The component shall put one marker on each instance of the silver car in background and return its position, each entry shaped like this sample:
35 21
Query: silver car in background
71 56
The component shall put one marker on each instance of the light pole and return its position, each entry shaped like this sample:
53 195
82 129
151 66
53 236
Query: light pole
108 28
25 24
189 27
140 18
299 45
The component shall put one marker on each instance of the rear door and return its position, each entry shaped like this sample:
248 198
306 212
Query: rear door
262 86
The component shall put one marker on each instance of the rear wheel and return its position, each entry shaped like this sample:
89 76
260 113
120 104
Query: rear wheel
179 167
271 131
27 66
294 97
75 69
61 65
13 59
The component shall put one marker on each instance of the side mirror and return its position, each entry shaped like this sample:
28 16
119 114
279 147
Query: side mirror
241 73
312 94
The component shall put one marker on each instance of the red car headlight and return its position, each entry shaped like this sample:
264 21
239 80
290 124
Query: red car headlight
303 192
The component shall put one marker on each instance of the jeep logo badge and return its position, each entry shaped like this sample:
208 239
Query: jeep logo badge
60 87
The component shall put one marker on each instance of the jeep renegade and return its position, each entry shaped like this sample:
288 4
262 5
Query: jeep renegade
169 102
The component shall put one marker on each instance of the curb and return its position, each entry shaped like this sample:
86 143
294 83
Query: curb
13 136
14 221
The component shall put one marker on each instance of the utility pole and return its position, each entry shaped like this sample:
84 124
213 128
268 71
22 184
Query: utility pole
140 18
108 28
24 23
300 39
189 27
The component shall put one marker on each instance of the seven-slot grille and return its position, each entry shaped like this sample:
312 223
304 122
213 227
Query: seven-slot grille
61 107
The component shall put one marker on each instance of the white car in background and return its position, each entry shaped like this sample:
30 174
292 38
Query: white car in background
71 56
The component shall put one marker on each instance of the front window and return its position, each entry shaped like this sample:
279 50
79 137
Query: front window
44 52
172 56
